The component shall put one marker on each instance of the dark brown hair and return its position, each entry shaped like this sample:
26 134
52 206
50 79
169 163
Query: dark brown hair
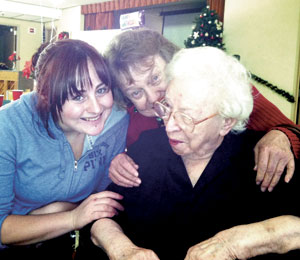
62 71
133 49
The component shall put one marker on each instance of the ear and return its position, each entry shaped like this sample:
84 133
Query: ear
228 123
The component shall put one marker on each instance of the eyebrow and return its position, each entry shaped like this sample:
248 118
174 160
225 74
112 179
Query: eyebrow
100 85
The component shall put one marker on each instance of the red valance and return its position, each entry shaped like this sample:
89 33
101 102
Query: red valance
120 4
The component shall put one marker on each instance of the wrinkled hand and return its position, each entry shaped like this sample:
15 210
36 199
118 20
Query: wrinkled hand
96 206
123 171
137 253
211 249
272 155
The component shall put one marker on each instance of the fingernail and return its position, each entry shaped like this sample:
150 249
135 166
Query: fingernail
263 189
258 182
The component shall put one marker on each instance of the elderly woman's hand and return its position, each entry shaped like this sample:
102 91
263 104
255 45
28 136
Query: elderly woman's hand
211 249
137 253
275 235
272 155
123 171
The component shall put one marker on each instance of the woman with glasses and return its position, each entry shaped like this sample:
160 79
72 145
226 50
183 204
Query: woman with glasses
137 60
196 172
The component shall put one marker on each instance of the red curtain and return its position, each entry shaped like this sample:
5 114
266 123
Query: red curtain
218 6
100 16
99 21
120 4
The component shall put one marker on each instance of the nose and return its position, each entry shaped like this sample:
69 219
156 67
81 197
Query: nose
153 96
171 124
93 105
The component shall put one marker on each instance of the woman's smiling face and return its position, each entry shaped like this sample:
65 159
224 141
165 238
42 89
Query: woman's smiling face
88 112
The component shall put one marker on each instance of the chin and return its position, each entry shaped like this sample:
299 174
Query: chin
95 131
148 113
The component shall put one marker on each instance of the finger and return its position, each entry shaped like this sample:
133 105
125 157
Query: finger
110 203
123 181
103 214
256 155
125 171
269 172
277 175
132 162
107 194
127 164
290 170
262 164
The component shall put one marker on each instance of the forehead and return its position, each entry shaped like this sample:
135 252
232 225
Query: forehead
188 93
88 79
142 72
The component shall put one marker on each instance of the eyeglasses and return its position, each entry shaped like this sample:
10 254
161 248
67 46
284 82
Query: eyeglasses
163 110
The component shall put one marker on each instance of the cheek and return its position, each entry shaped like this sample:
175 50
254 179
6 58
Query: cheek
107 101
140 104
163 86
70 111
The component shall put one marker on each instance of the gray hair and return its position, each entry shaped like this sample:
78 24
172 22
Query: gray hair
227 78
133 48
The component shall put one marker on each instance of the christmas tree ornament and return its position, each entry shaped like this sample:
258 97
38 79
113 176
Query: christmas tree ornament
207 30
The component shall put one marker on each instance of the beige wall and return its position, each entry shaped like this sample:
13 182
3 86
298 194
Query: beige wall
266 34
27 43
71 21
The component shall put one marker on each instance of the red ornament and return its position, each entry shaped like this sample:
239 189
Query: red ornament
211 14
202 25
212 37
201 34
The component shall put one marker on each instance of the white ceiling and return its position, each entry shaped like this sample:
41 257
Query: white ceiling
38 10
61 4
44 10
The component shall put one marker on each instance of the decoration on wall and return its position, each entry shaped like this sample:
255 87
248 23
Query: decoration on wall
14 58
207 31
63 35
279 91
27 70
132 20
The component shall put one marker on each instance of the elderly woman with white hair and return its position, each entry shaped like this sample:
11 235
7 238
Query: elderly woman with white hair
197 174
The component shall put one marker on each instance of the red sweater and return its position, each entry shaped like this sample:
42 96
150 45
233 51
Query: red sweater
264 117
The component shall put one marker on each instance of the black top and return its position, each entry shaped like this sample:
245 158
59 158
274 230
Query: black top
168 215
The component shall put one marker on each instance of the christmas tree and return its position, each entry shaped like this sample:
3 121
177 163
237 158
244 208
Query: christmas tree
207 31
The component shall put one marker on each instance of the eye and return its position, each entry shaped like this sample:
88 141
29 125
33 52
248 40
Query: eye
155 80
78 98
103 90
166 104
136 94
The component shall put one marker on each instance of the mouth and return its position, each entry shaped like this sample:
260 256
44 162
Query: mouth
91 119
174 142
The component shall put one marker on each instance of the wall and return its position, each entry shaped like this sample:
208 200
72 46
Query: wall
176 27
71 20
27 43
266 33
